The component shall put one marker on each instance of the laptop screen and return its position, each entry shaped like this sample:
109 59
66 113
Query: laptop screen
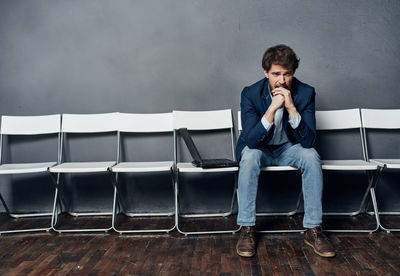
190 144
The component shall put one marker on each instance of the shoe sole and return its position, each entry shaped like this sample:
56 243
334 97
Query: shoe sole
326 255
244 254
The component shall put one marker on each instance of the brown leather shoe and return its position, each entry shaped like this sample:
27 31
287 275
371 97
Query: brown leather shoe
315 238
246 246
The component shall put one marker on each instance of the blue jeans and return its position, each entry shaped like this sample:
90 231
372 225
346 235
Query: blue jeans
306 159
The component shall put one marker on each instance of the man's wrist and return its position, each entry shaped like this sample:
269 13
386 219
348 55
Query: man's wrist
269 115
267 125
292 112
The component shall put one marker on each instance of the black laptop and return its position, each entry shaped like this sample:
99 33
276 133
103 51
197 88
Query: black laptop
198 161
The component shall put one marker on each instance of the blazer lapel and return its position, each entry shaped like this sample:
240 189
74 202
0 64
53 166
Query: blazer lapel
266 97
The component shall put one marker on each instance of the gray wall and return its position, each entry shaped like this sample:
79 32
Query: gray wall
155 56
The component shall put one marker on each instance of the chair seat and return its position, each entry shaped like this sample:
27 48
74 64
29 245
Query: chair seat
25 167
143 166
189 167
390 163
350 165
82 167
279 168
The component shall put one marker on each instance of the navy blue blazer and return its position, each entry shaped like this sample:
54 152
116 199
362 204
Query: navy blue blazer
256 99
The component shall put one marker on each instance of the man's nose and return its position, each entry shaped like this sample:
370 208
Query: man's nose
281 79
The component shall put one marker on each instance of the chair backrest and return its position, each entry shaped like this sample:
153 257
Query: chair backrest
381 118
89 123
240 128
203 120
330 120
142 123
338 119
30 125
341 120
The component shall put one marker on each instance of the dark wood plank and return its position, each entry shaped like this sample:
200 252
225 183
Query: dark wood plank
175 254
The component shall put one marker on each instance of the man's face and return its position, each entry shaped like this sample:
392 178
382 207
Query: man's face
279 76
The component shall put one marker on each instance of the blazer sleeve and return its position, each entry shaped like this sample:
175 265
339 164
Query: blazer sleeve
253 130
305 133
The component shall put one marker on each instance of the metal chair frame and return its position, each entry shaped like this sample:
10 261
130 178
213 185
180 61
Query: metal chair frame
203 126
351 119
30 132
380 119
57 207
146 126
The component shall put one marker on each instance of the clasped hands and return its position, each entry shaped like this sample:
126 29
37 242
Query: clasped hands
281 96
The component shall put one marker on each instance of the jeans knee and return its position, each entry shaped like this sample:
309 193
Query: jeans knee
250 158
310 157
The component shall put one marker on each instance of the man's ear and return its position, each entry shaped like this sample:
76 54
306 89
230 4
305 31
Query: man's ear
266 73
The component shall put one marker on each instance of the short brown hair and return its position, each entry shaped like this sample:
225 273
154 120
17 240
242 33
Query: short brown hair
282 55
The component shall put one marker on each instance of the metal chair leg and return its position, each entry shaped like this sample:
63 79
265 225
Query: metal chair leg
55 215
361 208
233 231
117 199
371 190
17 216
381 226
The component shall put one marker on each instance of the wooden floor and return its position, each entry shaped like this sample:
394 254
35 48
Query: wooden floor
176 254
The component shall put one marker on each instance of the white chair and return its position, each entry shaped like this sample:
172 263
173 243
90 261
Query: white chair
336 120
202 121
276 169
382 119
28 126
142 124
83 124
